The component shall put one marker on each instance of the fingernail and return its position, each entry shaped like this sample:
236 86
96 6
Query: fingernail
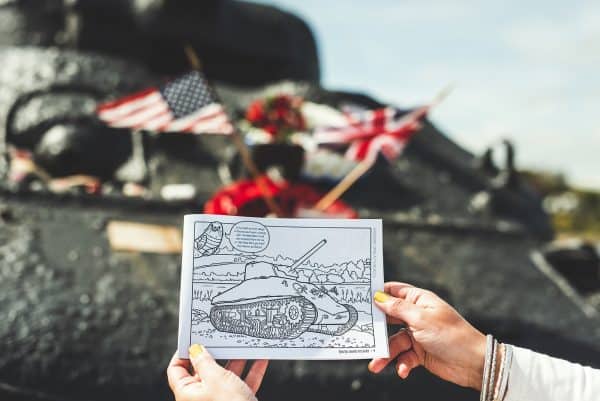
381 296
195 350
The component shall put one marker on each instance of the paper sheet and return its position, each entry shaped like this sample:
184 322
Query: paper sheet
281 288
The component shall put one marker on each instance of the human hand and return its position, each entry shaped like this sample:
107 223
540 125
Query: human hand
436 336
210 381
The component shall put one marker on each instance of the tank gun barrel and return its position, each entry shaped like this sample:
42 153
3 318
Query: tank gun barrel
308 254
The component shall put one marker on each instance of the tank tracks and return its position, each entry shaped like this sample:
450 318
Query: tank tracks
282 318
337 329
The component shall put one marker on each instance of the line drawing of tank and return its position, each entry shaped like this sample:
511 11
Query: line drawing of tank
268 304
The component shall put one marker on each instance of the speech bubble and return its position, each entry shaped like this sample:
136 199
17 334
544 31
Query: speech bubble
249 236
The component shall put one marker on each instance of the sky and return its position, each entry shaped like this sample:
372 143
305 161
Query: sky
524 70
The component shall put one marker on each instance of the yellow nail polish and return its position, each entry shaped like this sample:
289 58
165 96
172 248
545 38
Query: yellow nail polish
381 296
195 350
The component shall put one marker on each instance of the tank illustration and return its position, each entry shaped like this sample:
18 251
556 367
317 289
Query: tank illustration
292 309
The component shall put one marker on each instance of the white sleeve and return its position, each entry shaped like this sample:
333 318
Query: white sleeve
538 377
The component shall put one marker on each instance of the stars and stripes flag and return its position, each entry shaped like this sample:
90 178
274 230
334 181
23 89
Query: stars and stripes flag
185 104
369 133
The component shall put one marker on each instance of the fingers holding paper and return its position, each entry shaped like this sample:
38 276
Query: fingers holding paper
256 374
398 344
236 366
436 336
184 386
202 378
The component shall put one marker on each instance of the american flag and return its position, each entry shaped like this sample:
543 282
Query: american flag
185 104
386 131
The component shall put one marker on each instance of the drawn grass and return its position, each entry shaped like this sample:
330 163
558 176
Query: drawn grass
354 295
203 294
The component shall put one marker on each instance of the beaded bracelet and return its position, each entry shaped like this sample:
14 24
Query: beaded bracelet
492 378
508 351
500 355
486 367
494 384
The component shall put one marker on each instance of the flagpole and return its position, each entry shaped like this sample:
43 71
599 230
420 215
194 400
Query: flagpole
349 179
242 148
255 172
192 57
361 168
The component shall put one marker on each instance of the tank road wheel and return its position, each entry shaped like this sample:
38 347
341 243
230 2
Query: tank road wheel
293 312
282 318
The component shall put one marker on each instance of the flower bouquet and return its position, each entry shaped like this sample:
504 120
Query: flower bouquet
274 120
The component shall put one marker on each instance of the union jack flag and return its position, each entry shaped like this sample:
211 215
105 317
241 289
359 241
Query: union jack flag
386 131
185 104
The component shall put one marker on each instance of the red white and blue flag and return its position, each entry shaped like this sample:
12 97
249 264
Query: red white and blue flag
369 133
186 104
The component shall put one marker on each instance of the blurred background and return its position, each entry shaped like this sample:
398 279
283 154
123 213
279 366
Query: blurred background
525 71
492 200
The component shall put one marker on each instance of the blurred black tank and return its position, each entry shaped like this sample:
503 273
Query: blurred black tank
238 42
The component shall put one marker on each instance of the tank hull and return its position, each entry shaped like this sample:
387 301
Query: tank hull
329 311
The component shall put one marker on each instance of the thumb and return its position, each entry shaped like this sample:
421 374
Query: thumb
204 364
398 308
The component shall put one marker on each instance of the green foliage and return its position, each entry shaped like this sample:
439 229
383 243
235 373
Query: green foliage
574 212
546 183
584 220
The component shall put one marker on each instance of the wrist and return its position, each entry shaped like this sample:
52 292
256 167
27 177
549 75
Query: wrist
476 370
477 362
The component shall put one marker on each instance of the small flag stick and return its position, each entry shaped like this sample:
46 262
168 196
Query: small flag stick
255 172
441 95
195 63
361 168
345 184
192 57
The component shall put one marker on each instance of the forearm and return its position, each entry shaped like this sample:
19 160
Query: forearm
535 376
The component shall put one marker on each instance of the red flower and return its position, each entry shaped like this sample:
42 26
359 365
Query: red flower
270 128
279 115
255 112
283 101
243 198
281 112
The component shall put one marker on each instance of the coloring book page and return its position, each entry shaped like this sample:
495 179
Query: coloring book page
281 288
